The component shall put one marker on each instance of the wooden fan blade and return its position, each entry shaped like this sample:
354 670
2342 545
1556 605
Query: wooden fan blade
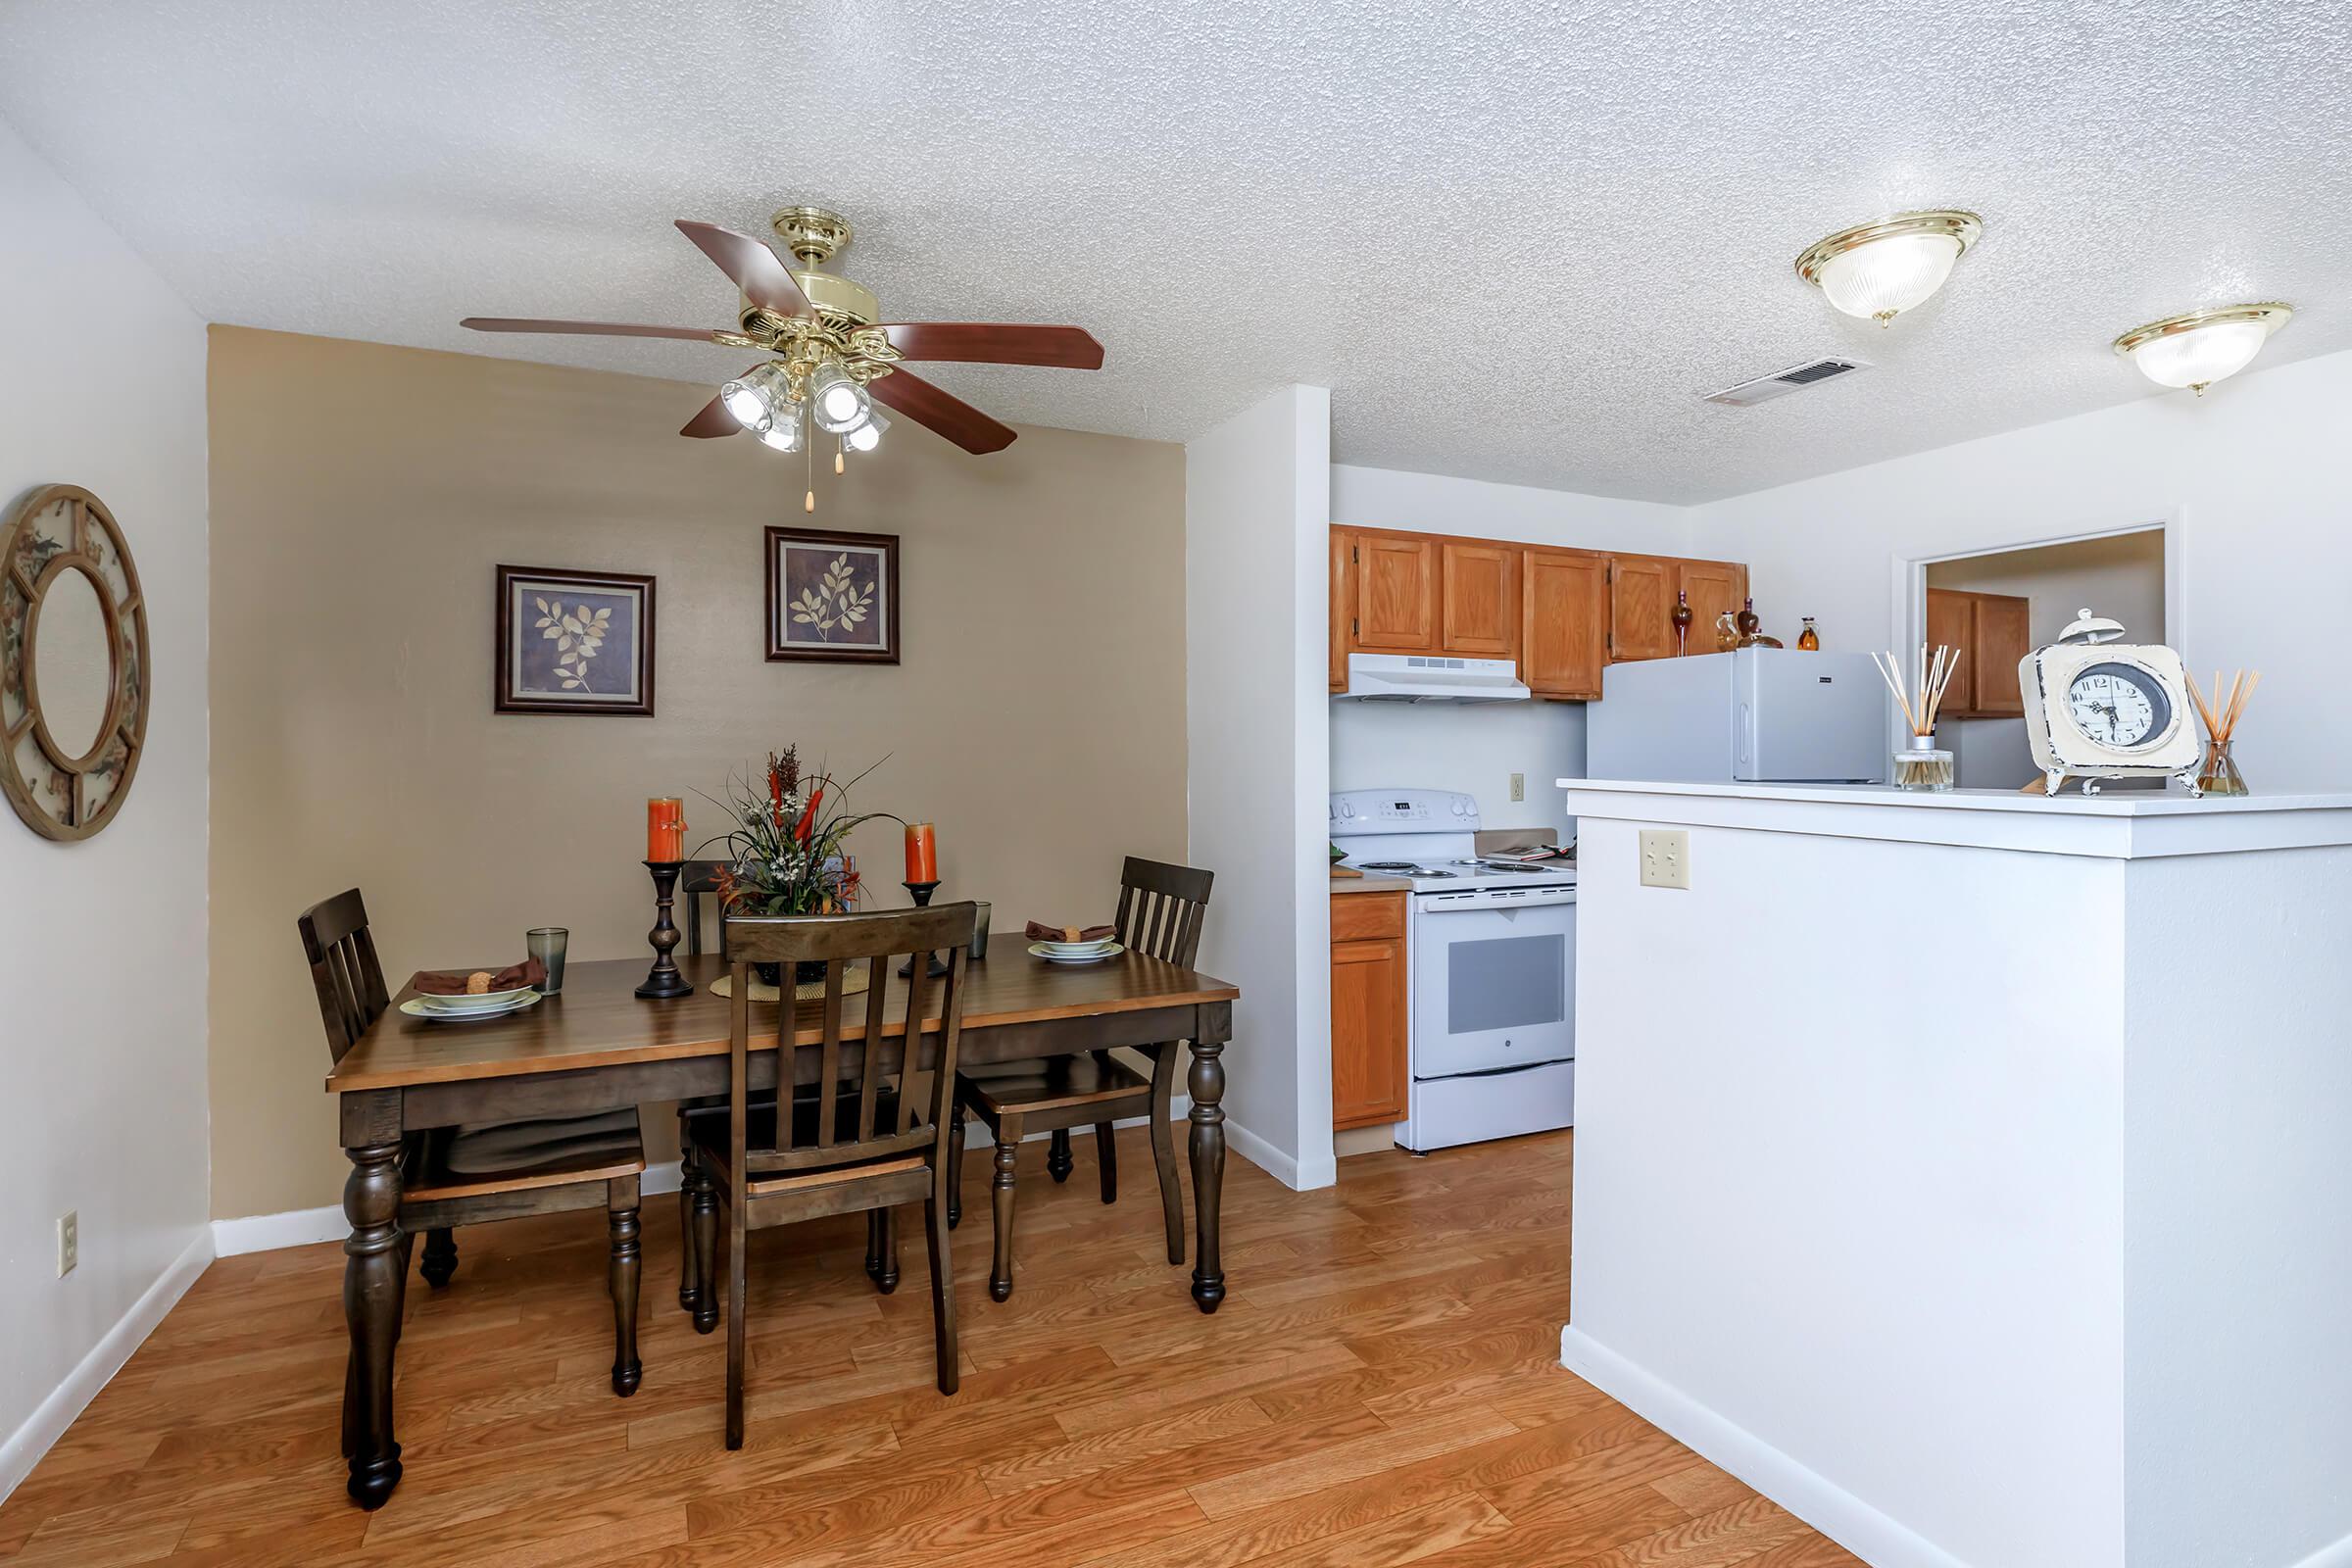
714 419
513 324
1071 348
755 270
941 409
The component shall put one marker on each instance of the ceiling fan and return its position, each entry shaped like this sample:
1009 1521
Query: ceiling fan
832 356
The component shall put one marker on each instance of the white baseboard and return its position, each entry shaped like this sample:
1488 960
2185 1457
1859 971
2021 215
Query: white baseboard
48 1422
1296 1175
302 1227
1829 1508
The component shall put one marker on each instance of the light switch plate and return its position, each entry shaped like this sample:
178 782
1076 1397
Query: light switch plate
68 1243
1665 858
1518 786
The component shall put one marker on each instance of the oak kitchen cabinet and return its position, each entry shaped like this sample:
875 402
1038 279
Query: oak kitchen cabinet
1562 615
1992 631
1369 1071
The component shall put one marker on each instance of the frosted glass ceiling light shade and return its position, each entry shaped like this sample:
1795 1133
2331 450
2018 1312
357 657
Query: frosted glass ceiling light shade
754 396
836 401
868 435
786 432
2200 348
1879 269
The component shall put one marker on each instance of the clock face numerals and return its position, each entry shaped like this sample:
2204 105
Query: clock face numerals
2118 706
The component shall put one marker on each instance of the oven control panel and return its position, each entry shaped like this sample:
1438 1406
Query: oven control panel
1404 812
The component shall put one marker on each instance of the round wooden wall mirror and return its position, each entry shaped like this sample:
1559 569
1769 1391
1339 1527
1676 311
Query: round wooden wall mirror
72 664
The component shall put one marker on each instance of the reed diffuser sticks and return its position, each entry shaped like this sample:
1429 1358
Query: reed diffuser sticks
1922 702
2217 772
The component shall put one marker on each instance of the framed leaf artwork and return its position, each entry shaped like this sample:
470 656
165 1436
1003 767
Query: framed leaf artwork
574 642
832 597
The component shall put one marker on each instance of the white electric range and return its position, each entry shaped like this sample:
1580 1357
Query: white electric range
1490 967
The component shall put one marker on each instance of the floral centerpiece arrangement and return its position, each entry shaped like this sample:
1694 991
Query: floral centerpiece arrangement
786 854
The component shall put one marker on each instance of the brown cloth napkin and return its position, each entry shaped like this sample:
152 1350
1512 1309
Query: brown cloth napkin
1039 931
452 982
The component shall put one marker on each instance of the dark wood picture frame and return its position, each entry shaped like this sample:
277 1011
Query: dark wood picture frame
887 581
506 695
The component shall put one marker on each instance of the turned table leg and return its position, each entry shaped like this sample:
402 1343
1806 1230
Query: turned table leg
623 1273
1206 1081
374 1278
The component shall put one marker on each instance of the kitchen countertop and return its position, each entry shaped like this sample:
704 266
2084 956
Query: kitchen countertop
2121 826
1369 883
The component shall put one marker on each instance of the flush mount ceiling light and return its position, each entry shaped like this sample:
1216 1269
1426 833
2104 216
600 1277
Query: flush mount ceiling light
1891 265
2200 348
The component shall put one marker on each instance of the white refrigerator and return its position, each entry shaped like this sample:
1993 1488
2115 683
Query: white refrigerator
1755 716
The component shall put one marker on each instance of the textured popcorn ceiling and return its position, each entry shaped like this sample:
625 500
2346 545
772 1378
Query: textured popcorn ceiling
1515 239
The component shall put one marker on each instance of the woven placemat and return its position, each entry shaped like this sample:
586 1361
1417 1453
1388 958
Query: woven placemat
814 991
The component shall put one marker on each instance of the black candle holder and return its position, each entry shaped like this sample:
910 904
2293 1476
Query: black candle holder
663 979
920 893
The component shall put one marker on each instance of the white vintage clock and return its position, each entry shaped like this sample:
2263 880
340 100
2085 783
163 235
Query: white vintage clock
2098 708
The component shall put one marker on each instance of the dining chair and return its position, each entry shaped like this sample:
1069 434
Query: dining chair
874 1134
1160 911
453 1176
700 880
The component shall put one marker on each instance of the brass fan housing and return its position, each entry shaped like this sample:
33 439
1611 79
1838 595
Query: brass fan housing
845 310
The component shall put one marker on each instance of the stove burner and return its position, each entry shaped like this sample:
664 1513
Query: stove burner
1386 865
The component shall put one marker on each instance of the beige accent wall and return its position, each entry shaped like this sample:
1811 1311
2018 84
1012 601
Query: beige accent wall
362 496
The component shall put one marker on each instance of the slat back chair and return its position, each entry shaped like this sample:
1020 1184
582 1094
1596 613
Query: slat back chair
869 1138
1162 908
1160 913
697 882
344 967
483 1171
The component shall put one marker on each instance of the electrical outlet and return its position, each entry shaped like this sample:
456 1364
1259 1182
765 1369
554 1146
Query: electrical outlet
1665 858
68 1243
1518 786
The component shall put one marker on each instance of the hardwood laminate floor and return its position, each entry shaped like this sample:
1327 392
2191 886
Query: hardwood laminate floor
1381 1387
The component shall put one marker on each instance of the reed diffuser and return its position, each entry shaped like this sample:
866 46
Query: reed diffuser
1922 765
2217 771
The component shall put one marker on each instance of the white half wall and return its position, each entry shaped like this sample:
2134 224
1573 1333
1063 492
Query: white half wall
1256 567
2252 470
101 943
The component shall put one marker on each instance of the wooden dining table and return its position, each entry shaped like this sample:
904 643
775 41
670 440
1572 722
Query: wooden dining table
597 1045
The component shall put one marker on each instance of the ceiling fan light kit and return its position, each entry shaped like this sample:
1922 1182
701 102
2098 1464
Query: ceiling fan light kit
1891 265
2198 348
832 357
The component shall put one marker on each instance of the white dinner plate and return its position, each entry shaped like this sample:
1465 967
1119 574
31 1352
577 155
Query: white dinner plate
483 1002
415 1009
1098 945
1086 955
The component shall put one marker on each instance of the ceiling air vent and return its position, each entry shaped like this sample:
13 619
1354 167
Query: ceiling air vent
1778 384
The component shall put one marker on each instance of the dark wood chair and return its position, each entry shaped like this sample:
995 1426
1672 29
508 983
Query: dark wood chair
698 881
873 1135
1160 911
485 1171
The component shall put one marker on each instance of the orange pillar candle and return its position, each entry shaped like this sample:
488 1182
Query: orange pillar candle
923 852
666 828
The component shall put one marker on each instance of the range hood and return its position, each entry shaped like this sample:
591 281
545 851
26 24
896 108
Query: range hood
1416 678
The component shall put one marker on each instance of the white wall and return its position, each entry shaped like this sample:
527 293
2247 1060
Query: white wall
1471 747
1434 502
1476 749
101 943
1257 569
2253 470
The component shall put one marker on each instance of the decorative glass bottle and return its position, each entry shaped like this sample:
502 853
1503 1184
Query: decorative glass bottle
1749 621
2217 772
1727 633
1682 619
1922 766
1809 640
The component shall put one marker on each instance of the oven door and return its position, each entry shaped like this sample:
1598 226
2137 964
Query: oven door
1493 984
